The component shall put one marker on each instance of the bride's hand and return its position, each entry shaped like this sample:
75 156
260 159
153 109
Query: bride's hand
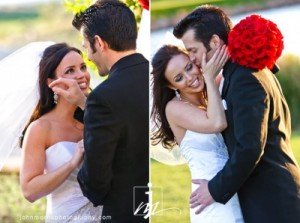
213 67
70 90
78 155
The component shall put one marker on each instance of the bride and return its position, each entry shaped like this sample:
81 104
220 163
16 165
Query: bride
187 110
52 147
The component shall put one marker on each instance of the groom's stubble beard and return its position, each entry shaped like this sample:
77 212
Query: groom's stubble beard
102 70
100 64
101 74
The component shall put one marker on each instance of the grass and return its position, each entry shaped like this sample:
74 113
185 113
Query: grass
288 77
13 206
176 4
172 182
175 183
42 23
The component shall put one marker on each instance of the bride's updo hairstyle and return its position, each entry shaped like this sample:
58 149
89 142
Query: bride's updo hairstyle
162 94
50 60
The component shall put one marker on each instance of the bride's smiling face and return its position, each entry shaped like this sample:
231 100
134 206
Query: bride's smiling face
72 66
184 75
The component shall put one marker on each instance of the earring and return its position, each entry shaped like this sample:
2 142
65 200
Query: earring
55 97
177 94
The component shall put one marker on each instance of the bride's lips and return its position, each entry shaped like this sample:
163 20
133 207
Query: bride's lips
83 85
195 83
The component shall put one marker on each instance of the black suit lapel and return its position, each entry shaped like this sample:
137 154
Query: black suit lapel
229 68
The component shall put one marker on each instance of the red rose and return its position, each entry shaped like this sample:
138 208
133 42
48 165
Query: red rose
144 4
255 42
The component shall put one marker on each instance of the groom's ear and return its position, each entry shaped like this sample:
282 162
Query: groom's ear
215 42
100 44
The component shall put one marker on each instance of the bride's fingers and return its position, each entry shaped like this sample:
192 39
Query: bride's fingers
194 194
196 181
224 57
215 55
220 54
65 81
203 62
80 143
200 209
60 91
193 199
219 59
196 204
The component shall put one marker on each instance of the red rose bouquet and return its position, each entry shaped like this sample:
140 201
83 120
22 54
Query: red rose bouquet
255 42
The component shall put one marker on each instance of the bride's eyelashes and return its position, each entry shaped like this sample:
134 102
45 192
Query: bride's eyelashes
72 70
69 71
178 77
189 67
83 68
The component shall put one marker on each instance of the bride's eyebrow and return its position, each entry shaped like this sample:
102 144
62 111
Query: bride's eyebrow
181 73
190 49
68 67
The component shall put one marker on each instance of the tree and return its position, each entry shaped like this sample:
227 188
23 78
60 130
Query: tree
76 6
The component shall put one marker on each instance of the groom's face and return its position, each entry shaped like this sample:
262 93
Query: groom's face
195 47
95 56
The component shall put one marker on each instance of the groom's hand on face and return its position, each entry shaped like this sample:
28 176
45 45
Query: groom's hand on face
201 197
71 92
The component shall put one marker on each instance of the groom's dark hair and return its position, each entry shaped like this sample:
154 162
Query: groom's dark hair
206 20
111 20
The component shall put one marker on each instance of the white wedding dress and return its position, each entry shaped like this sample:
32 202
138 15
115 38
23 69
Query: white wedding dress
206 154
67 203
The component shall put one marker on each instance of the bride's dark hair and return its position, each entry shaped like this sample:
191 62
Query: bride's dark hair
162 94
50 60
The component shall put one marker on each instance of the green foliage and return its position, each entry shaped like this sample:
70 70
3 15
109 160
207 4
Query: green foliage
173 182
288 77
14 207
177 4
77 6
136 8
18 15
171 8
48 25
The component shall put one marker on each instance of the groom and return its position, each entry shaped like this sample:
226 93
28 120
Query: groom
115 114
261 167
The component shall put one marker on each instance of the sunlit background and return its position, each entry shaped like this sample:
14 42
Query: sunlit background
25 21
171 184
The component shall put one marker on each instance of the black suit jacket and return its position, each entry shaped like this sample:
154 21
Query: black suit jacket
261 167
116 156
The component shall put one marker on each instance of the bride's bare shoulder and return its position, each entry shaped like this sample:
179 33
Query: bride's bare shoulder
174 103
40 126
175 107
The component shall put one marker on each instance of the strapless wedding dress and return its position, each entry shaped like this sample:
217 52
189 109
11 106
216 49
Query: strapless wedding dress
67 203
206 155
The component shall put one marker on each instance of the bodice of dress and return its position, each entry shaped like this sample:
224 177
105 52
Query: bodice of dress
67 198
206 154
